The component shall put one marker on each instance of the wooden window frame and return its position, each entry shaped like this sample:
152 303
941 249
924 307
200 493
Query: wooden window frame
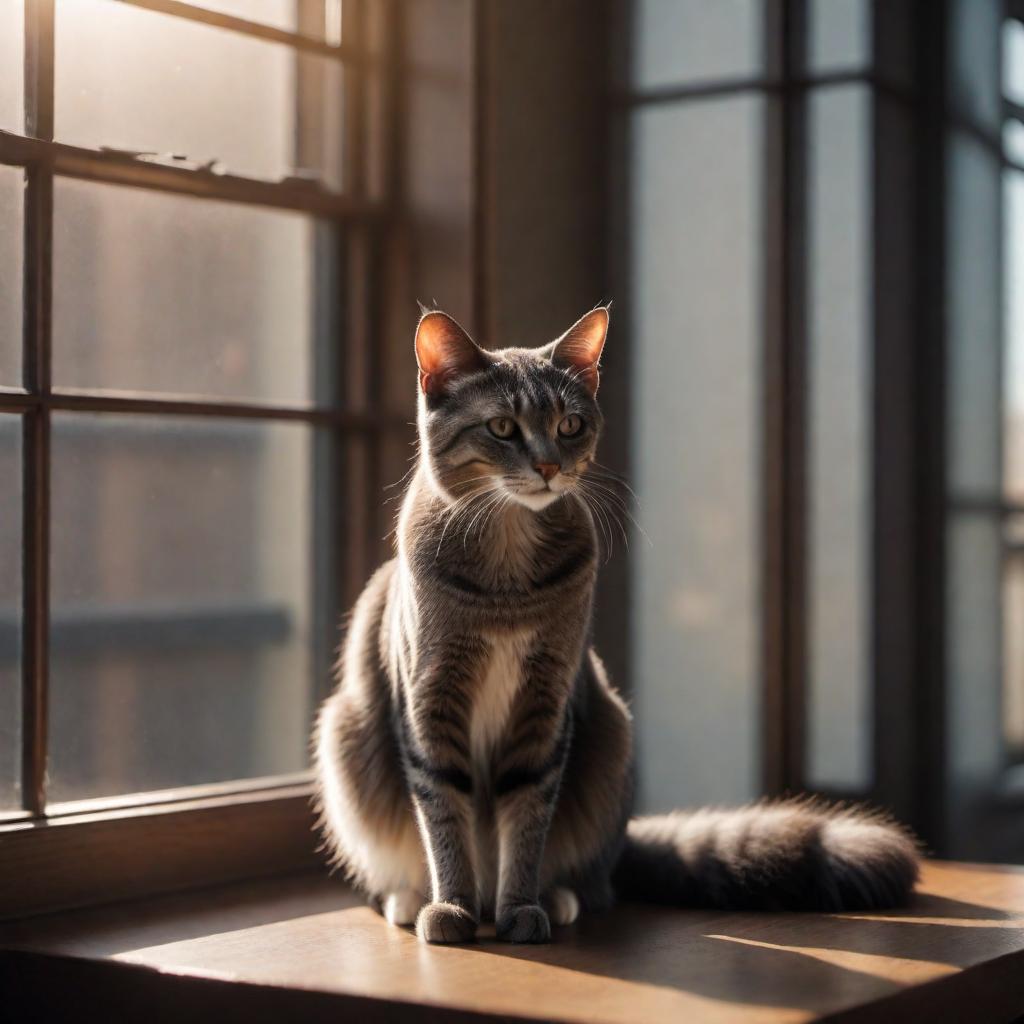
128 846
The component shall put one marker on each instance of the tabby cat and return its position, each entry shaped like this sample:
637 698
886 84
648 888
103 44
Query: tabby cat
475 761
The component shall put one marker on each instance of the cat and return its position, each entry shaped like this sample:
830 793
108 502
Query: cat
475 761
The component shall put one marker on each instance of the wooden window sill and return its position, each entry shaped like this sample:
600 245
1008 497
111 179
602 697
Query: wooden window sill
304 947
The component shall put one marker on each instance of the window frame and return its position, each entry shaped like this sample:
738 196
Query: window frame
1012 551
126 846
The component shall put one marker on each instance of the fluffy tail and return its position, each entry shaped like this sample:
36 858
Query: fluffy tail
784 855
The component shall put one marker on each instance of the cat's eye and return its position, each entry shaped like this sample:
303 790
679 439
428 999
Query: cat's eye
570 426
502 426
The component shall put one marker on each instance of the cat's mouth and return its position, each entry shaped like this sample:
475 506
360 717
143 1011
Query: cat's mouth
538 497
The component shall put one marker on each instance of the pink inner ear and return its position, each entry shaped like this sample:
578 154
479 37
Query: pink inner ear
579 349
444 351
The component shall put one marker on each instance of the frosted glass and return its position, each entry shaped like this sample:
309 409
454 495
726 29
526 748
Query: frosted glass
182 626
974 60
680 42
221 295
283 14
1013 60
1013 653
12 247
138 80
1013 327
696 291
840 362
840 34
12 66
975 368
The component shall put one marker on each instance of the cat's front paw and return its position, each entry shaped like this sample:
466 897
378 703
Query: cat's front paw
445 922
525 923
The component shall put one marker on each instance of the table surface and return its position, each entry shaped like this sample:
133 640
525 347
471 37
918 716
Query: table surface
956 953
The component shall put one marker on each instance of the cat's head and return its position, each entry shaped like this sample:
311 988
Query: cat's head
519 422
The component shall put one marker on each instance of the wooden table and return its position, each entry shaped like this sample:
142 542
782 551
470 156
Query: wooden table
305 949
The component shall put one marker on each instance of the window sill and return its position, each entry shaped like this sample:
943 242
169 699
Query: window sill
118 852
305 948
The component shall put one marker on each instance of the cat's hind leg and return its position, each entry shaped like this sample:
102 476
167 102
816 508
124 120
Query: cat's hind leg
399 907
562 905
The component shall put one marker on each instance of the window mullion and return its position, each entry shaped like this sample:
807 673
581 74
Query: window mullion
39 89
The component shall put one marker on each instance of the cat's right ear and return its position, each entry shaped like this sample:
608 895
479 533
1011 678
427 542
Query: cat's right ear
444 352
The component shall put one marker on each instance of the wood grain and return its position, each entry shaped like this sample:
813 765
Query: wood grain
956 954
84 859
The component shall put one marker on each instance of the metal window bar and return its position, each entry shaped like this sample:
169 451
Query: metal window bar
43 160
784 501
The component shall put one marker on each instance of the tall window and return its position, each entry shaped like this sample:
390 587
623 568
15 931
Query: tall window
189 210
749 129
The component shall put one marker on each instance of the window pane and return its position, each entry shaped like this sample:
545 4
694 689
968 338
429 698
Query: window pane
696 287
283 14
840 367
12 66
974 60
840 34
1013 141
182 602
1013 642
679 42
1013 326
137 80
10 612
222 295
973 301
1013 60
974 756
12 193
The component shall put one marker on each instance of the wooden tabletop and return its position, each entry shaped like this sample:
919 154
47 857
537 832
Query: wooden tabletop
956 954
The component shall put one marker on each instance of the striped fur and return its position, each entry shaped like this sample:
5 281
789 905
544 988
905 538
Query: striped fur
475 760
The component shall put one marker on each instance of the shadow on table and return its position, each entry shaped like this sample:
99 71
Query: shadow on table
798 961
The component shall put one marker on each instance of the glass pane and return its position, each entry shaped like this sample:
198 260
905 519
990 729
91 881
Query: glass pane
1013 326
973 303
222 295
697 295
10 612
142 81
840 394
12 194
12 66
284 14
840 34
182 602
974 756
1013 644
679 42
974 66
1013 60
1013 141
974 646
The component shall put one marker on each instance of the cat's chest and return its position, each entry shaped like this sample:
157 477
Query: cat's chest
497 686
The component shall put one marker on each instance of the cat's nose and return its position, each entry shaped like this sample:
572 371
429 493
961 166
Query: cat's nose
546 469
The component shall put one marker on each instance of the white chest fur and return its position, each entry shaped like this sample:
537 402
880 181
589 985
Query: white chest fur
496 692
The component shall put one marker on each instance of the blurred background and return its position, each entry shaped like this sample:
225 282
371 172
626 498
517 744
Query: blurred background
216 219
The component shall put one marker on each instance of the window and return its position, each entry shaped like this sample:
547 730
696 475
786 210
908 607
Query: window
189 212
749 131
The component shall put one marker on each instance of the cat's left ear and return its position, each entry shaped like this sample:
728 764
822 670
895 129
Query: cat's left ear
579 349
